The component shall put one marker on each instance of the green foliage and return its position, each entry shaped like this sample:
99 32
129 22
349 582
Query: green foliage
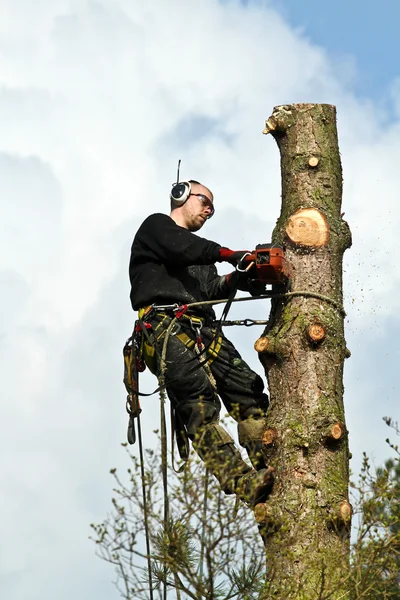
211 549
375 570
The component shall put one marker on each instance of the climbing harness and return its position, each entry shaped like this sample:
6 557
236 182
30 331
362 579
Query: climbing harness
140 351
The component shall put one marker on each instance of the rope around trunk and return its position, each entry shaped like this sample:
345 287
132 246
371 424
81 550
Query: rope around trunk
288 295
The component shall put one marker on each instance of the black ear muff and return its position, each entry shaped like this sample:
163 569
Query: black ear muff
180 193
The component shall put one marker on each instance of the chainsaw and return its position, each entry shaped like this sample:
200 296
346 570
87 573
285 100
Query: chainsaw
269 263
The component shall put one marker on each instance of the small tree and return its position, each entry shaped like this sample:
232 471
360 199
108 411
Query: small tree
211 550
375 571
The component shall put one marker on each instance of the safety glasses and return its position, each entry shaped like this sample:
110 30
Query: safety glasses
206 202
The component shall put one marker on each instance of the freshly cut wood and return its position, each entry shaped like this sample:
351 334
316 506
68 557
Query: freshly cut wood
345 512
308 227
269 436
335 432
261 345
316 333
313 161
270 125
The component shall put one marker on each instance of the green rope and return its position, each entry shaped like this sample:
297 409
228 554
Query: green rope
145 509
287 295
203 524
164 446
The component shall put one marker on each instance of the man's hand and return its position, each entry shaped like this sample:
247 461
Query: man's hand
254 287
245 283
234 257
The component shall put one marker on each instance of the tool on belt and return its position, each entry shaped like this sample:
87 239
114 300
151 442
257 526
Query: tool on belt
133 365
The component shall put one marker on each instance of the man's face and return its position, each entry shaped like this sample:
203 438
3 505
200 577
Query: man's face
197 207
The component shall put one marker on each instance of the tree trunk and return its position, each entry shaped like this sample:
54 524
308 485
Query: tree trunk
306 522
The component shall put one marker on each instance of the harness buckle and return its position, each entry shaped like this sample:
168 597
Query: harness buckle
176 329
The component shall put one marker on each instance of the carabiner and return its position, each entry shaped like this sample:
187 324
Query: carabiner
237 266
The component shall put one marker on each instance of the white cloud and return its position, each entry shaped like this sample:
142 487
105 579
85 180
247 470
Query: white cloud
96 105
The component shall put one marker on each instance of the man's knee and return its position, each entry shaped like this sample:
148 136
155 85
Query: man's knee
197 414
250 433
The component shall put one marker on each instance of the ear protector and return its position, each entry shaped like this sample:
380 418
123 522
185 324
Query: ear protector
180 192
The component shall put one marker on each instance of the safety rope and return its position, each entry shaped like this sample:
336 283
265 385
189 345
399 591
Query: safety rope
146 521
203 524
164 446
273 296
199 348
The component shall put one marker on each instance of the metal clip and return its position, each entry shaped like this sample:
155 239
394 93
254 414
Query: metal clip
241 260
176 328
196 325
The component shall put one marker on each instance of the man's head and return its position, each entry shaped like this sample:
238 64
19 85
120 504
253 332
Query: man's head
193 212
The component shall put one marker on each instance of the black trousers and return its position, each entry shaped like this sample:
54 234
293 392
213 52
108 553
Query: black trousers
188 386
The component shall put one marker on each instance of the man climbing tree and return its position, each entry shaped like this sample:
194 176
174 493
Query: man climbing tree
304 518
170 266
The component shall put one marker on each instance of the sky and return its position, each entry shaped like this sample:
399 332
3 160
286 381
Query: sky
98 100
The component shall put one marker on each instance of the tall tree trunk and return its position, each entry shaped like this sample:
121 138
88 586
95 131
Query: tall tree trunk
306 522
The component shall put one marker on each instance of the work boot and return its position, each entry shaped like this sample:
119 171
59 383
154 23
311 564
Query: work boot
254 487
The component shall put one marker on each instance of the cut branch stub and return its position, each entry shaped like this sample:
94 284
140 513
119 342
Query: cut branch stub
344 513
269 437
340 515
270 345
261 345
270 125
308 227
315 333
313 161
335 432
264 515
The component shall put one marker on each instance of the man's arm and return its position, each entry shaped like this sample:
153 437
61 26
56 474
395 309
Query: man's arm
160 238
169 243
219 286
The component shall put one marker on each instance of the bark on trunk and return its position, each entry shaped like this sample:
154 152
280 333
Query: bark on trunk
306 522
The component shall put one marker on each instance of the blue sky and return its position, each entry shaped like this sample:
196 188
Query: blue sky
363 31
98 100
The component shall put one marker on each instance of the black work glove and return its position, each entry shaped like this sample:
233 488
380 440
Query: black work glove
254 287
245 282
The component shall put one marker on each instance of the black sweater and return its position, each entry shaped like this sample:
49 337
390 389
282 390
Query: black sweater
170 264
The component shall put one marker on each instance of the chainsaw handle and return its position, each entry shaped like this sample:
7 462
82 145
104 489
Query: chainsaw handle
249 258
245 262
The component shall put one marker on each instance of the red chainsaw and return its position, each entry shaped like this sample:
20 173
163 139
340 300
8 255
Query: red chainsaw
270 264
